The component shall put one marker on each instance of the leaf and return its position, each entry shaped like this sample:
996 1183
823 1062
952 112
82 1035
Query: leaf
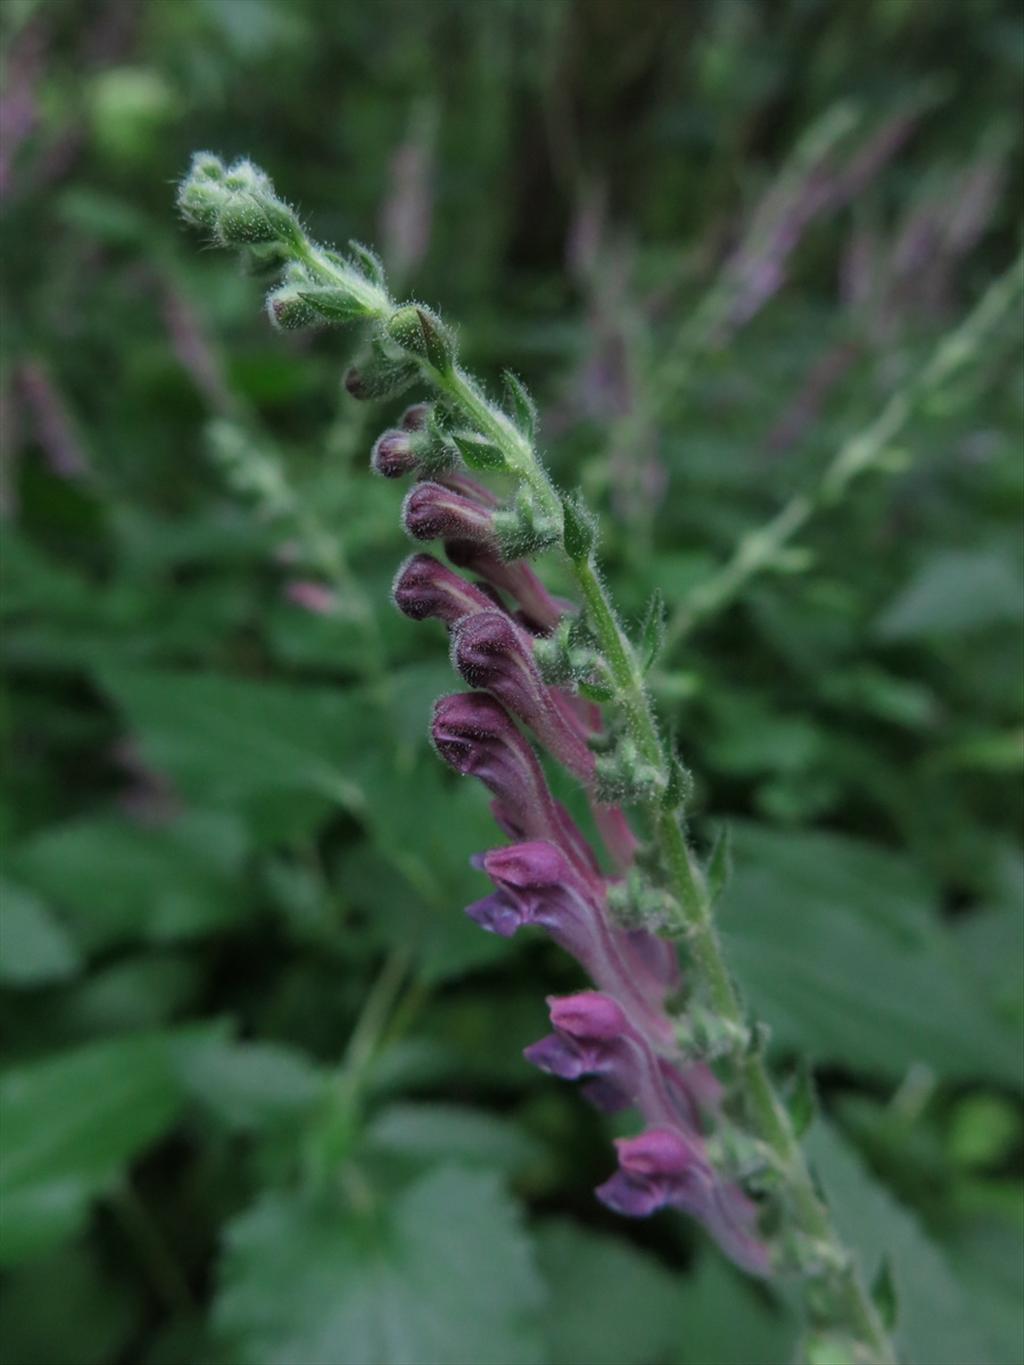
652 630
70 1123
609 1303
837 945
477 452
429 1134
441 1274
520 406
34 946
954 592
936 1324
116 881
283 754
251 1085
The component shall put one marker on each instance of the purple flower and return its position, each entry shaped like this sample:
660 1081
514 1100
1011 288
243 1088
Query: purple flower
663 1168
492 652
434 512
475 735
595 1037
424 588
536 884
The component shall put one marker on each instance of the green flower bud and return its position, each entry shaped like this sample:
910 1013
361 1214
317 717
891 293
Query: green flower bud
250 220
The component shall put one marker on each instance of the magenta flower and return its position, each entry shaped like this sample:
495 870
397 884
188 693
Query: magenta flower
662 1168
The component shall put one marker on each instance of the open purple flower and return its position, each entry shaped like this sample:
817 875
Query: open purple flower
663 1168
536 884
594 1037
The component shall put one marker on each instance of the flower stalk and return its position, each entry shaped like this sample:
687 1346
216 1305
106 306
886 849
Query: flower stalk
545 665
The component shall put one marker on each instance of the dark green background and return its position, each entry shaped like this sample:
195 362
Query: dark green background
224 832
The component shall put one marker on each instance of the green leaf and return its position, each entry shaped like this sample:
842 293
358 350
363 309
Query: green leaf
335 304
954 592
35 948
117 881
652 630
520 406
251 1085
579 529
478 453
840 951
936 1323
283 754
429 1134
70 1123
608 1303
443 1273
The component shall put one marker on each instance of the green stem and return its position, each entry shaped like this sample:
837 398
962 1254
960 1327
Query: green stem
862 451
767 1113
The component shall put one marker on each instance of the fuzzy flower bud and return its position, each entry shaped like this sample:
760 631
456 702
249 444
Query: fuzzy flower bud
432 512
393 455
517 579
425 588
662 1168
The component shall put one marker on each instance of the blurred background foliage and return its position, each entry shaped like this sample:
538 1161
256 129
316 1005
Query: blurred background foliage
263 1097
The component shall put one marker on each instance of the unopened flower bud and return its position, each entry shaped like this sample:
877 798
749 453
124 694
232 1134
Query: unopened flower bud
393 455
288 310
433 512
491 652
414 418
425 588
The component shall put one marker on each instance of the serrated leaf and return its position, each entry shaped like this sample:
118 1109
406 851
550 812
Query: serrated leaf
520 406
440 1273
839 948
937 1324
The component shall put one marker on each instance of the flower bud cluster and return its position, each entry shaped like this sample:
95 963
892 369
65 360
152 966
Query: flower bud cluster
518 647
516 644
